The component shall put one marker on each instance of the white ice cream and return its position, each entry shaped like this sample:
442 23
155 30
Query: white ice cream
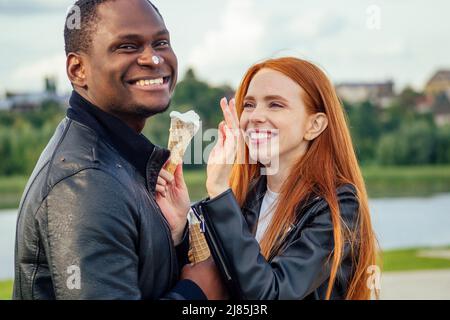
187 117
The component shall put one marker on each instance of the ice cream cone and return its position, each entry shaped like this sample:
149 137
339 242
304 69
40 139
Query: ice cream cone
183 127
199 250
198 247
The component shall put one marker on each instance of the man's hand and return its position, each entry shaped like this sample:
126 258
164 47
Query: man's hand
173 198
206 275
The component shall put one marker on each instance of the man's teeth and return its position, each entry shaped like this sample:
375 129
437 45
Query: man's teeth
144 83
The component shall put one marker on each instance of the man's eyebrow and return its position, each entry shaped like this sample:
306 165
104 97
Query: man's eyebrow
135 36
161 32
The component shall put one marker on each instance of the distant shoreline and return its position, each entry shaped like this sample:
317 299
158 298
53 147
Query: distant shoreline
382 182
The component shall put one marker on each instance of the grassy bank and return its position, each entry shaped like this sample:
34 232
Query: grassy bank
6 290
407 181
381 182
393 260
412 259
11 189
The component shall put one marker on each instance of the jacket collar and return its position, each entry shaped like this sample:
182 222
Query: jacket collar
147 158
253 202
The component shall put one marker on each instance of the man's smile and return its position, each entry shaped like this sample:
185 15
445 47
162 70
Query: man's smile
150 83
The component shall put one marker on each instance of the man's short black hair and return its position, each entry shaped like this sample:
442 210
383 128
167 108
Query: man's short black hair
78 38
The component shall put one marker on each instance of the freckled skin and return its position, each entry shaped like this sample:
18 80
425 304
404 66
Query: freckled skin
288 116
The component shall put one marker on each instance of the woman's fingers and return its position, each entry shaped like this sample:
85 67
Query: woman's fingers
222 136
160 181
161 190
230 115
179 177
166 176
234 115
230 146
225 111
164 179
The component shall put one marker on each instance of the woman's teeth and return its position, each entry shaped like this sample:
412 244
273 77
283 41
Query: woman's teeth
150 82
259 136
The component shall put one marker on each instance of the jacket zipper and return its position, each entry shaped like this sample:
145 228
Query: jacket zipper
213 242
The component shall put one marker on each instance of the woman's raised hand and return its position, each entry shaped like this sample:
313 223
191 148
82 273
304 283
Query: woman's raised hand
223 155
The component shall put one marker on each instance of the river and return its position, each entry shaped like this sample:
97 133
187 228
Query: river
398 223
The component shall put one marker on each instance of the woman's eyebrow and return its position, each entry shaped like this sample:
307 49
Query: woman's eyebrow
274 97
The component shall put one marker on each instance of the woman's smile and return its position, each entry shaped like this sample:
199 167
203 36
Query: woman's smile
260 136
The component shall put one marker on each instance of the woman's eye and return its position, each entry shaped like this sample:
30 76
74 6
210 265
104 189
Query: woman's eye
275 105
248 105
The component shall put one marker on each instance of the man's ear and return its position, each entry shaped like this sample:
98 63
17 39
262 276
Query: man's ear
76 70
318 122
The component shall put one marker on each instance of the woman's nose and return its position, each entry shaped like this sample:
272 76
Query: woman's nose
258 115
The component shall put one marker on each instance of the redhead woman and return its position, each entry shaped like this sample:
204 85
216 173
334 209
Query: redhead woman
291 213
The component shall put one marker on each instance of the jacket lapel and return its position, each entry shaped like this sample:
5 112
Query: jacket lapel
253 202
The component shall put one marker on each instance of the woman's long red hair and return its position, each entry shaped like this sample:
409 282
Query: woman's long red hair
329 162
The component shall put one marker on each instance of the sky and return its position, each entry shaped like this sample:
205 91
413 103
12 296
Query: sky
352 40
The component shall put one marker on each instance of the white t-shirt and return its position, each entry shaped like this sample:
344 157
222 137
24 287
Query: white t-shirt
266 213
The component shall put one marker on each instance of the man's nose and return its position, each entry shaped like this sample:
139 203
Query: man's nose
149 58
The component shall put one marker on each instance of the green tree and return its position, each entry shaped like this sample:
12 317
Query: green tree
365 127
414 144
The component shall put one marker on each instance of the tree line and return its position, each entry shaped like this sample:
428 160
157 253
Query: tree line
397 135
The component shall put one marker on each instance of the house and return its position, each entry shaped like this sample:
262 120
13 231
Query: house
379 93
441 108
424 103
438 83
26 101
5 104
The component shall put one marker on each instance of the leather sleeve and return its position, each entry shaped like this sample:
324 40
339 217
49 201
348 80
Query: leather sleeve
88 227
182 248
297 271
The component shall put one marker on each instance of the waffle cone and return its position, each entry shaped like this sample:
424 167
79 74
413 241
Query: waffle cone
181 134
198 247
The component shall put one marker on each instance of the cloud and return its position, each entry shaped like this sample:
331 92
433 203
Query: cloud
316 24
18 7
30 77
247 32
233 43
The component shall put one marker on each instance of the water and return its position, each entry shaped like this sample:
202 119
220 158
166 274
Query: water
398 223
411 222
7 234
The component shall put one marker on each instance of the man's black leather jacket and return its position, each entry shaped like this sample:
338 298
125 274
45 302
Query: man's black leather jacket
89 227
300 270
